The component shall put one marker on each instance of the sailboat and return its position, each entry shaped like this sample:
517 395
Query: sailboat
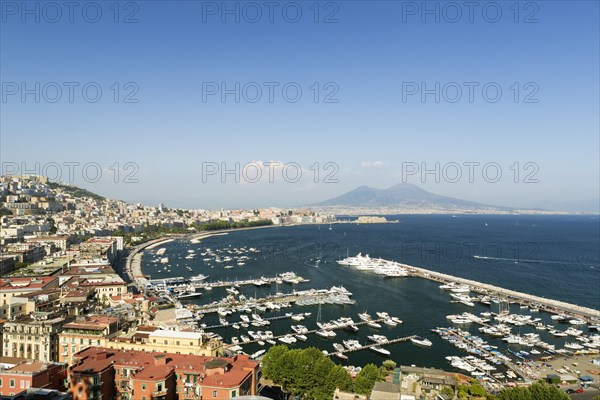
330 228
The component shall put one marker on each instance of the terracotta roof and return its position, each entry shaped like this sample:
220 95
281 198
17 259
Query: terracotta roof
152 366
35 283
28 367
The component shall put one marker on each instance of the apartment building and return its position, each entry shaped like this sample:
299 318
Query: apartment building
95 330
152 339
18 375
33 337
99 373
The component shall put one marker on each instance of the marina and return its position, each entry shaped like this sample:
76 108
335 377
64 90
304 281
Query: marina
460 285
471 305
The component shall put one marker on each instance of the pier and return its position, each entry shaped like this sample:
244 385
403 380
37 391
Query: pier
509 365
368 346
544 304
289 298
314 331
263 281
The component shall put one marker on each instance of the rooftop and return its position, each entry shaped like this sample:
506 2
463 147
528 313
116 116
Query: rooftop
21 283
216 371
176 334
21 366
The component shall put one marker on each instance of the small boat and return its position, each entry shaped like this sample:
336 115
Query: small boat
378 338
258 354
189 294
325 333
380 350
341 356
232 290
301 337
373 324
421 341
364 316
338 347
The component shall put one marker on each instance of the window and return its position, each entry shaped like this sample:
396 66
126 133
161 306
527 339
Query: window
214 393
143 386
12 383
0 382
234 393
22 384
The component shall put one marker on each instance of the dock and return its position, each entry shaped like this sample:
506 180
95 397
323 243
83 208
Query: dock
548 305
368 346
290 298
507 364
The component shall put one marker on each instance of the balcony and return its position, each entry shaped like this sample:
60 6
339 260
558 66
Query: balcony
190 395
125 389
159 393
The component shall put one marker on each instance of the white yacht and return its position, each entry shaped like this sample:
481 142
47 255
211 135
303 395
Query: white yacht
380 350
421 341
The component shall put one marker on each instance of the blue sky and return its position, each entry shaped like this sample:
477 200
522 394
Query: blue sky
371 57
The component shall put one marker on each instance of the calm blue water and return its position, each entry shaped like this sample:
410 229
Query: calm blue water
552 256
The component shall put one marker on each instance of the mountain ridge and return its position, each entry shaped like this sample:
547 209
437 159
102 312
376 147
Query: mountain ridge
402 195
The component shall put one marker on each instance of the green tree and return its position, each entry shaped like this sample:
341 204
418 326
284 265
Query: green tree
304 372
365 380
271 363
447 391
389 364
477 390
537 391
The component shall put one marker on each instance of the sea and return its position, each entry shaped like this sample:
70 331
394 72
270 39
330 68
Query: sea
552 256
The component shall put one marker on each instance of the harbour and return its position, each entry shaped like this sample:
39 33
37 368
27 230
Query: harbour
365 288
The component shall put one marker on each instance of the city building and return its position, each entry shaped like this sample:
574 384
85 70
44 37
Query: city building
18 375
10 287
78 335
153 339
100 373
425 382
33 337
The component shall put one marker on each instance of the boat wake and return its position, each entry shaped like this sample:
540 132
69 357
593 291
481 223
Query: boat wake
517 260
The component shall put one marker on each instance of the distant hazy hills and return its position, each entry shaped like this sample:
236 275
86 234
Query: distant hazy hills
402 195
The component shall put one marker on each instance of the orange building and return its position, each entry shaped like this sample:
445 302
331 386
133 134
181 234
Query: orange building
137 375
17 375
95 330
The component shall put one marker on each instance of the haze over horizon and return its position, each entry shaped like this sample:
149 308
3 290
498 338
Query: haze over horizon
365 121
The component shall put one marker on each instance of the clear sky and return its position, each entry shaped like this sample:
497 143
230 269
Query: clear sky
374 116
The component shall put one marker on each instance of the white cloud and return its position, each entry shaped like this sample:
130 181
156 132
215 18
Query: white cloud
373 164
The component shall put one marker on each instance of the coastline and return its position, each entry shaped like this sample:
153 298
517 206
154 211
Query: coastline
133 269
133 262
